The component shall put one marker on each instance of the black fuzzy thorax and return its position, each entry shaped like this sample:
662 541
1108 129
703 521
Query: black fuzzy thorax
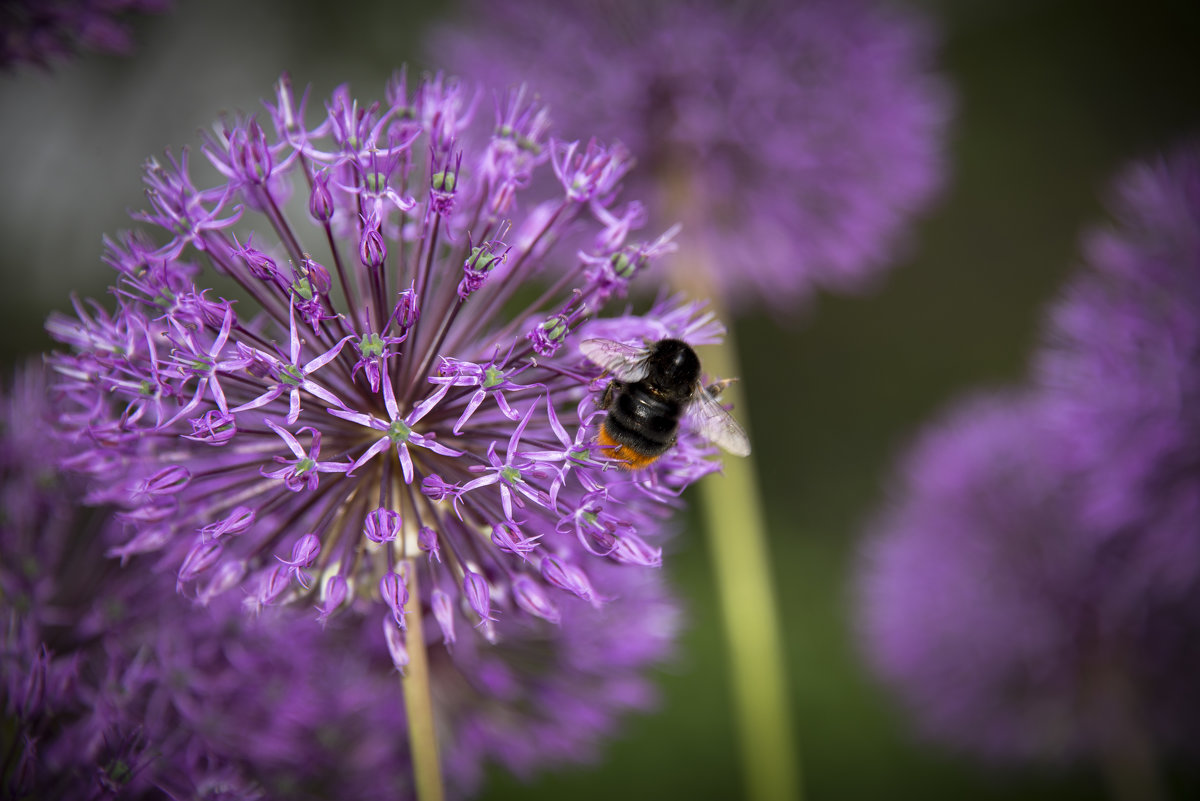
672 370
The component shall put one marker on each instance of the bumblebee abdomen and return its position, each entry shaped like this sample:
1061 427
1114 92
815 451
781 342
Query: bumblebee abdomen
639 426
633 460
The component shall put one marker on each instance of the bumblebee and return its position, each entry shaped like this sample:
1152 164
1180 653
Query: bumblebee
653 387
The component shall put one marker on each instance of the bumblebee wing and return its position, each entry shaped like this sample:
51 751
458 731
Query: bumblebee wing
717 425
626 362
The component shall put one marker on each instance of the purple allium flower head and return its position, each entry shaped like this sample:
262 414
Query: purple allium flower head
1122 364
42 31
369 388
796 141
985 601
86 688
973 588
112 685
1034 591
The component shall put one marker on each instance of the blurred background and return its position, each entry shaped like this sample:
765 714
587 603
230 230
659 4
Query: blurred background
1053 97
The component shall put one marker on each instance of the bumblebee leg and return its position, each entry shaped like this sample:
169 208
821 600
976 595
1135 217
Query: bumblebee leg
610 392
717 387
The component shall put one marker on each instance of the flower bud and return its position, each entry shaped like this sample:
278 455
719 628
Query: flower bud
382 525
394 590
478 595
443 613
532 599
320 201
396 646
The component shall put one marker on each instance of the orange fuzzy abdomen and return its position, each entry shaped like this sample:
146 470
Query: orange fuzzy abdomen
632 459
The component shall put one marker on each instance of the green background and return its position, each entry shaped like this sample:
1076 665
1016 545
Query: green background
1052 99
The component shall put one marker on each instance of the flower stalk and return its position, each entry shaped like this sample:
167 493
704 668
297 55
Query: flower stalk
418 700
737 542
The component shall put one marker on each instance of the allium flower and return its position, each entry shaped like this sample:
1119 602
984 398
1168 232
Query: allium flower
42 31
113 686
1035 589
1123 367
975 589
985 602
385 392
85 689
796 141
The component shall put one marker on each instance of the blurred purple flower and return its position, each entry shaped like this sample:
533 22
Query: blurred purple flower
86 688
113 686
1122 365
310 441
796 141
1034 591
43 31
975 587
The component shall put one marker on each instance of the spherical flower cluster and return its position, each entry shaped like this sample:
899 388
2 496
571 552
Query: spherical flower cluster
1034 590
796 141
41 31
83 676
1122 366
388 398
974 587
112 686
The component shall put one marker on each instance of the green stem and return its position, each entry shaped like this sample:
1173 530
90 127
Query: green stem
418 701
738 545
741 562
